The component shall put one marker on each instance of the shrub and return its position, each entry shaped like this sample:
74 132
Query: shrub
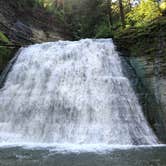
104 31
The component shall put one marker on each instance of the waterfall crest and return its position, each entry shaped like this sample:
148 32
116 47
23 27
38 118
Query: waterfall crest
71 92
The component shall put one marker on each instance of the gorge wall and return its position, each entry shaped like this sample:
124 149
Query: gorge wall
24 24
145 50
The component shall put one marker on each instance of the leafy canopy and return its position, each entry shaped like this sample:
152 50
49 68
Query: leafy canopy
145 12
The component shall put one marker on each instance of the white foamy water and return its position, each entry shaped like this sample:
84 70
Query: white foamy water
71 93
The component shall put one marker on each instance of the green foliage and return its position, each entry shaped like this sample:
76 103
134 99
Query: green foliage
104 31
4 57
3 38
142 41
91 18
4 52
145 12
163 8
83 17
22 4
46 3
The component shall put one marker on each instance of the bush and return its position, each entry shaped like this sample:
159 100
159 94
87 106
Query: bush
104 31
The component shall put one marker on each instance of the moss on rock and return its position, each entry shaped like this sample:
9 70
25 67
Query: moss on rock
3 38
5 52
143 40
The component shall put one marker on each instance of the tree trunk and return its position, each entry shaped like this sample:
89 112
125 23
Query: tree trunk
56 3
122 13
60 4
109 10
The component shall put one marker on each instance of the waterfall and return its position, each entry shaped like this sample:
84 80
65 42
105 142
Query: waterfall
71 92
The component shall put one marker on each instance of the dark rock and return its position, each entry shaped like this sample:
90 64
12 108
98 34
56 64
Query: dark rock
20 31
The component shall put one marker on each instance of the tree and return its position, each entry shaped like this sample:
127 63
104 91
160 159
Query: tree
163 7
145 12
60 4
122 16
109 11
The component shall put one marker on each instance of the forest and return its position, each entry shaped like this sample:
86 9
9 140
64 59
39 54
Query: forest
100 18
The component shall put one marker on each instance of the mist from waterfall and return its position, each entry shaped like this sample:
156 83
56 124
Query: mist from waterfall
71 93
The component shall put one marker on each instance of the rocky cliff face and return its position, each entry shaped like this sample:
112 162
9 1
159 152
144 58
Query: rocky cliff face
23 25
145 50
150 85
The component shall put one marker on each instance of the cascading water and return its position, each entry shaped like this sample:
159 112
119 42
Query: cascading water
71 92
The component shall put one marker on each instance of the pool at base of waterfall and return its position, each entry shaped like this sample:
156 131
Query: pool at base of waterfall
54 156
